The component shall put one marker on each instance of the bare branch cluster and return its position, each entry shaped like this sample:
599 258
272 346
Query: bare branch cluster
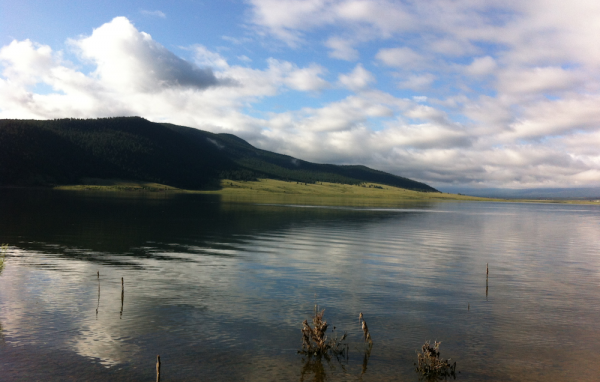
431 367
314 339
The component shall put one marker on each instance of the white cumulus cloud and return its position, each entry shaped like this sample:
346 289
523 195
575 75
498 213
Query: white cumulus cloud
341 48
131 60
402 57
358 79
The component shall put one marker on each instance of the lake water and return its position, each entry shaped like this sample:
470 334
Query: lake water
220 289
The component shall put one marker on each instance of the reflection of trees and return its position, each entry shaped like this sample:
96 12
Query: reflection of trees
314 365
366 360
101 223
319 365
3 250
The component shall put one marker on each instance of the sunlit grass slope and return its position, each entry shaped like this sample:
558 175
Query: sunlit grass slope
367 194
282 192
277 191
324 189
92 184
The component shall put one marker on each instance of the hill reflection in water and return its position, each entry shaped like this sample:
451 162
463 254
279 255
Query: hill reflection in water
220 289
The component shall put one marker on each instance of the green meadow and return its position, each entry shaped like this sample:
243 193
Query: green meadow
320 193
366 194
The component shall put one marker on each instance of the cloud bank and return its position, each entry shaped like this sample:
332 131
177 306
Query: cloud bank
487 93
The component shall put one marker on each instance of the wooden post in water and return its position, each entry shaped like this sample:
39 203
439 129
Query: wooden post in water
98 274
487 273
486 289
122 296
158 368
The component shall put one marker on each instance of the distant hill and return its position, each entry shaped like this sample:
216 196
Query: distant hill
65 151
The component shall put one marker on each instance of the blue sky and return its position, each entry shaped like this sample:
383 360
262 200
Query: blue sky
475 93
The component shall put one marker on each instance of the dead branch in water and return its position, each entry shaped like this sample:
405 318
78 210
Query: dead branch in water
314 339
365 329
430 366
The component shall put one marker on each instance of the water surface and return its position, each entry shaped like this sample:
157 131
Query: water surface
220 289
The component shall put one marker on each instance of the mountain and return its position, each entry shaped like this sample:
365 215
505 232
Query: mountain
65 151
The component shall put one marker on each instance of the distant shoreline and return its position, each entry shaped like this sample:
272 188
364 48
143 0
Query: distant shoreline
319 193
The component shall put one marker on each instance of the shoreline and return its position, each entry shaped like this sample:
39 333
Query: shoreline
320 193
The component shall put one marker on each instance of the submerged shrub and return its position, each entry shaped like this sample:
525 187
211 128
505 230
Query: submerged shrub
314 339
431 367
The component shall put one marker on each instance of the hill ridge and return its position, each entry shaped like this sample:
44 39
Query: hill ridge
65 151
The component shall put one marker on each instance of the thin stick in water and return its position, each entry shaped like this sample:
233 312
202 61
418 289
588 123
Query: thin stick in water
486 289
122 297
158 368
487 273
365 329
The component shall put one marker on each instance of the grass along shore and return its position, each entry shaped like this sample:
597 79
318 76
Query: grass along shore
321 193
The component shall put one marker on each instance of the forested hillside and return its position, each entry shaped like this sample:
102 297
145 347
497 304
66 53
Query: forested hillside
65 151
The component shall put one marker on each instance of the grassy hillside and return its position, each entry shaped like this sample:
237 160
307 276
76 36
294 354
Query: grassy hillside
68 151
271 191
324 193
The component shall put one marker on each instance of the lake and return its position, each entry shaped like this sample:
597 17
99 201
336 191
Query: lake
220 289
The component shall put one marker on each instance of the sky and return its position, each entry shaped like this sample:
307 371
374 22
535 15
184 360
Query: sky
469 93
